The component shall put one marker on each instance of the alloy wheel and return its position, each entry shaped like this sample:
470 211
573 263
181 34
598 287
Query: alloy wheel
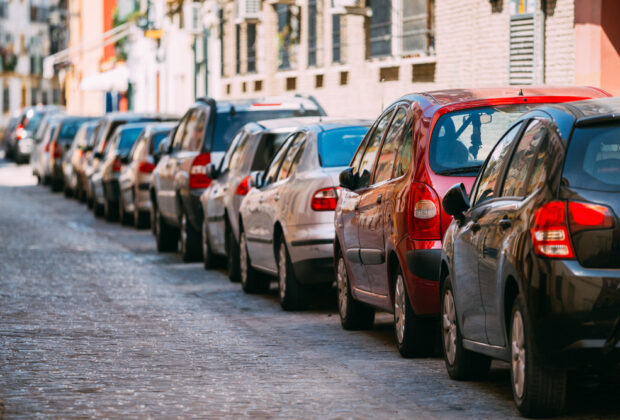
243 259
518 354
282 270
399 308
449 327
342 281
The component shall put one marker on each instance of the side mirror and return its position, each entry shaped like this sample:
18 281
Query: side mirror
124 159
98 155
456 201
212 171
347 179
257 180
162 149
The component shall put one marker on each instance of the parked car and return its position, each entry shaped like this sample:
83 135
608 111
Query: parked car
40 155
202 137
389 221
105 128
105 180
8 132
287 221
249 152
73 159
61 143
135 179
83 164
21 142
531 269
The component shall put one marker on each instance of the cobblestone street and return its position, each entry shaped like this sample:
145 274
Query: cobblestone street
94 323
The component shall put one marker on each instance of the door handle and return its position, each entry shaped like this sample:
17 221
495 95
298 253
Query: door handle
475 227
379 198
277 197
505 223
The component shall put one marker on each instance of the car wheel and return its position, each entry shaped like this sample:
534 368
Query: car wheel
67 190
251 281
110 210
190 241
209 259
414 335
126 218
461 363
166 237
292 294
232 255
90 202
354 315
56 185
538 391
141 219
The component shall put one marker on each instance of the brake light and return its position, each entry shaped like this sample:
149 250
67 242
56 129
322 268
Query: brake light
244 186
550 231
145 167
424 217
198 172
20 133
116 165
325 199
584 216
47 147
56 150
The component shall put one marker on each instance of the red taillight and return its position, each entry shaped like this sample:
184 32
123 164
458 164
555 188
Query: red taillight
244 186
584 216
80 154
55 149
325 199
424 217
145 167
20 133
47 147
198 178
116 165
550 231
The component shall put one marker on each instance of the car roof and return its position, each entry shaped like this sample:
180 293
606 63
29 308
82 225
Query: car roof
333 123
283 123
132 126
114 116
267 103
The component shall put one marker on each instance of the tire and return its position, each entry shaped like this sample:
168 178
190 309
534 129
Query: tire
67 191
56 185
462 364
110 210
190 241
354 315
125 218
141 219
538 391
152 216
166 237
251 281
232 256
293 295
209 259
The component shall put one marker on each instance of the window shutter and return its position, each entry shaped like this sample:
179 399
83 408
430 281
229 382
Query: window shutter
522 49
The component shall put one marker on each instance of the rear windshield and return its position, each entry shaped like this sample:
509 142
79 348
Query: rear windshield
157 138
269 145
68 130
31 124
128 138
336 147
462 140
227 124
593 158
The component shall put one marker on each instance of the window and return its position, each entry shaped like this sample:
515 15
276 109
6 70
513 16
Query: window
6 103
380 28
521 161
236 160
288 35
336 147
222 26
523 49
368 158
127 139
295 149
269 144
251 47
199 133
177 142
404 154
336 39
385 164
190 130
490 173
416 33
137 150
274 166
312 35
231 150
237 48
157 139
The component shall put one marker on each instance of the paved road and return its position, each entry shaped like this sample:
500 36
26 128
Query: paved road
95 323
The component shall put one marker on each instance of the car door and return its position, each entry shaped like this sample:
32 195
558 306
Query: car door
497 225
465 280
167 169
374 208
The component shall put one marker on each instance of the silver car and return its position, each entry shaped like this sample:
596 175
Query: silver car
135 179
287 220
73 158
250 150
40 154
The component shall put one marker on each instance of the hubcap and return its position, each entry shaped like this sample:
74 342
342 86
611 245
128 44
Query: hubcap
518 355
342 281
449 327
399 308
243 259
282 271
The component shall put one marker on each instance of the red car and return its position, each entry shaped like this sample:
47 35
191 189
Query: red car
389 220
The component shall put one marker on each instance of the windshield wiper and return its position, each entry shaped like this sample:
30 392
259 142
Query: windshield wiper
463 170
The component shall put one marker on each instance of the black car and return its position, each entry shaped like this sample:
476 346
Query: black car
531 263
201 137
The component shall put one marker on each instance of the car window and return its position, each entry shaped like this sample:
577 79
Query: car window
518 169
403 160
111 145
385 163
138 147
367 160
491 171
190 131
177 142
269 144
291 155
274 166
337 146
195 138
156 140
231 150
236 160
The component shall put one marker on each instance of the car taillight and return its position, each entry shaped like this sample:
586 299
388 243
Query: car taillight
145 167
80 154
56 149
198 172
47 147
20 133
424 217
583 216
550 231
244 186
116 165
325 199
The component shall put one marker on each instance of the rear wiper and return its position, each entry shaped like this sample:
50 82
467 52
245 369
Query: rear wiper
463 170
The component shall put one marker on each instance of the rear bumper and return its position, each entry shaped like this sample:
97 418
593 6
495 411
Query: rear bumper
423 260
314 271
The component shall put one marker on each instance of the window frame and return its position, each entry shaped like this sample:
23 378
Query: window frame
300 144
284 149
397 108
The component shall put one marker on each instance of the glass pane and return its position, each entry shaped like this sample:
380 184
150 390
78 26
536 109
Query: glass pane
336 147
368 160
390 147
521 161
291 155
268 146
